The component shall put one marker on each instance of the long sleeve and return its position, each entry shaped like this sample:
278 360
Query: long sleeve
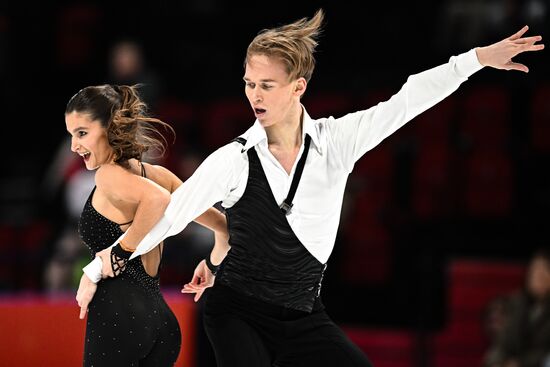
210 184
356 133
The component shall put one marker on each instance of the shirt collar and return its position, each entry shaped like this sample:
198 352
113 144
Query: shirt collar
256 134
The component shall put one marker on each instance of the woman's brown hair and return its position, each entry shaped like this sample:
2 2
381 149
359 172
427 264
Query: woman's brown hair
120 110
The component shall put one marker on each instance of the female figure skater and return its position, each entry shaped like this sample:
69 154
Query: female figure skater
282 184
129 323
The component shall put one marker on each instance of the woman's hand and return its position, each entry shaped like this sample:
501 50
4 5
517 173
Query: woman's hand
85 294
202 279
106 269
499 55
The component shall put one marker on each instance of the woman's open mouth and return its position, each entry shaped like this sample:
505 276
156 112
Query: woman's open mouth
85 156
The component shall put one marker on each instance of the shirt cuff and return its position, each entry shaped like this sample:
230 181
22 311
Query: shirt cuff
93 270
467 64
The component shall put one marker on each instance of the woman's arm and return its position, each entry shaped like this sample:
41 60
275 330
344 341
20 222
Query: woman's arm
123 189
217 222
212 219
203 276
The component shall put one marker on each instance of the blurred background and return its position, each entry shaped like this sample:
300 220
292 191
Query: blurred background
438 220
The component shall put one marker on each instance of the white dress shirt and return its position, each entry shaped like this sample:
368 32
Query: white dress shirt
337 143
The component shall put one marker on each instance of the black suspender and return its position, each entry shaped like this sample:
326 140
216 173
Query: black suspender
240 140
286 205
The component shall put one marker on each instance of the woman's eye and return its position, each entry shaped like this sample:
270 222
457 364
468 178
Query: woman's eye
267 87
82 133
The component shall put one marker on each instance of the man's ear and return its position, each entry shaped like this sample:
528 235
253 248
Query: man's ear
300 87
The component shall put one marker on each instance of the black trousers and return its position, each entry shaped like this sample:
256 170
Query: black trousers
128 327
247 332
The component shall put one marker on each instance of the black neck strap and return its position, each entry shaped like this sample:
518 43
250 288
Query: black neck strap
286 205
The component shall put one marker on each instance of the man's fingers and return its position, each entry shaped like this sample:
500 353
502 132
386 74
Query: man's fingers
520 33
537 47
525 40
517 66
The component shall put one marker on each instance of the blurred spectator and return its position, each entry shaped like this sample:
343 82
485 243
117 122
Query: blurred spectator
66 173
519 324
494 318
128 66
535 13
463 24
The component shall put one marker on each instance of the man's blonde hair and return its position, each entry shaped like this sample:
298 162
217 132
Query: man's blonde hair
293 44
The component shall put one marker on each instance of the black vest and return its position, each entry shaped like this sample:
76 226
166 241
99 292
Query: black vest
267 261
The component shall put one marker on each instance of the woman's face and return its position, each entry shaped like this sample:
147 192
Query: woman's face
89 140
268 89
538 278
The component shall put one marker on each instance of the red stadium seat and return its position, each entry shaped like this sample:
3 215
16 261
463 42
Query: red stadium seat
432 192
485 118
432 127
472 284
488 184
384 347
